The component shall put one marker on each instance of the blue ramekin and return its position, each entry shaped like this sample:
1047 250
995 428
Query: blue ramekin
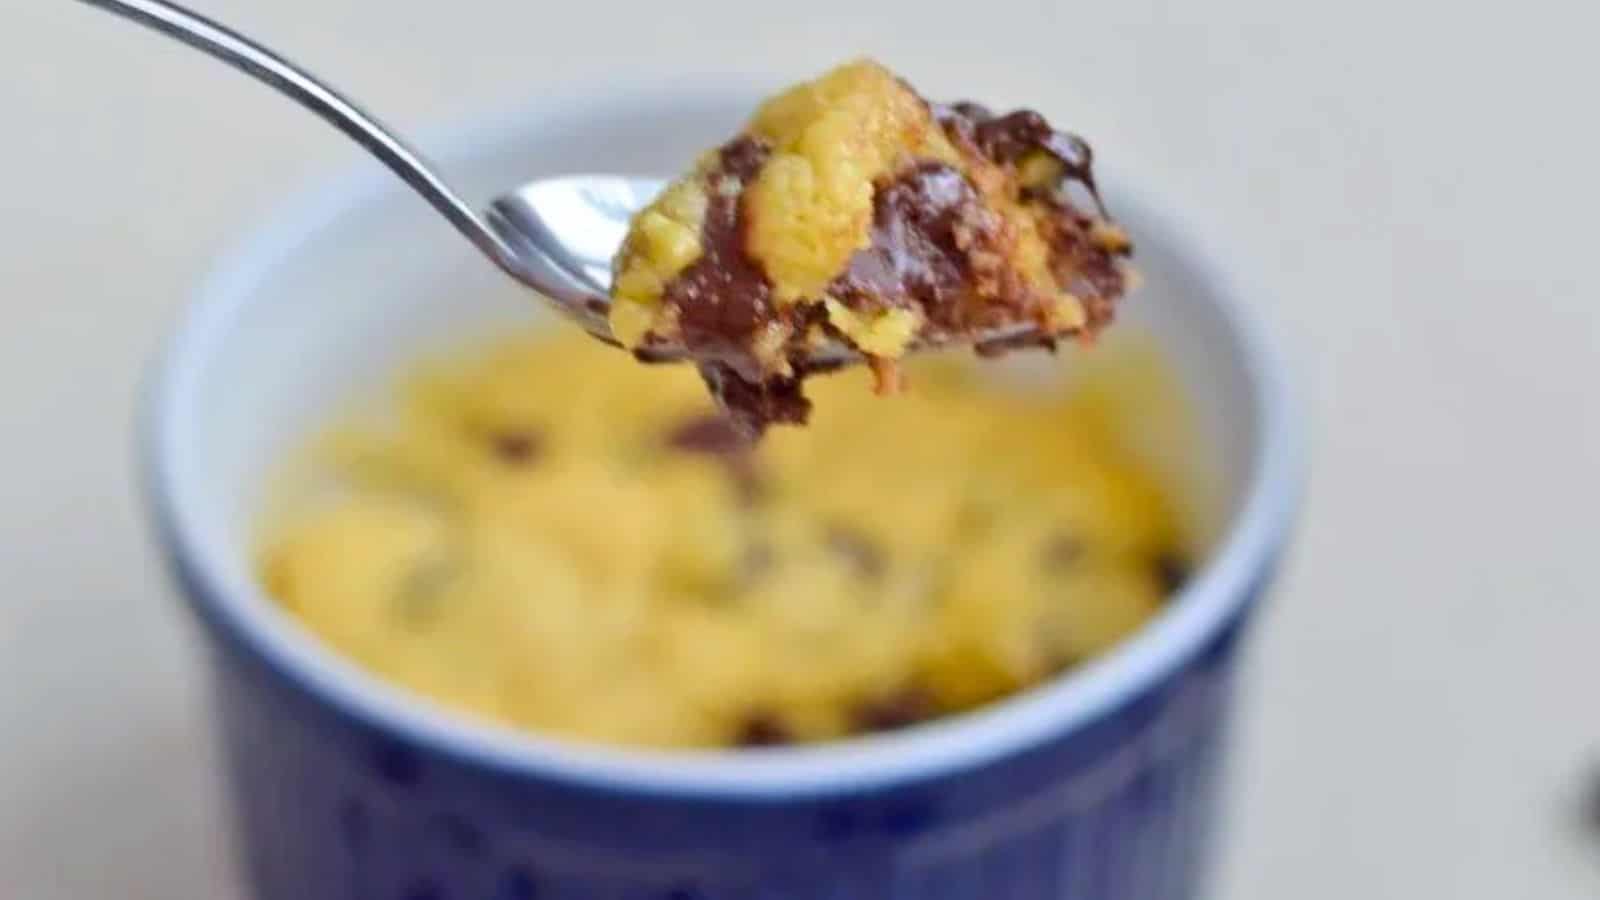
1101 784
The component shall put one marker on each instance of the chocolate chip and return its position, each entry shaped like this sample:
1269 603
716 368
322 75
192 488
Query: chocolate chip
933 247
710 433
857 549
1010 137
753 406
716 435
1061 551
517 448
744 156
723 300
763 730
904 707
417 600
1059 659
1171 571
756 561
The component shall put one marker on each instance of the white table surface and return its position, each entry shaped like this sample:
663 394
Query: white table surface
1416 186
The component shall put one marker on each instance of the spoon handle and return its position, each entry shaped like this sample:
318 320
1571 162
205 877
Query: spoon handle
306 89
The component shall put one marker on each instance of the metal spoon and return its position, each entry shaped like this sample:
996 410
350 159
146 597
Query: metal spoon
555 235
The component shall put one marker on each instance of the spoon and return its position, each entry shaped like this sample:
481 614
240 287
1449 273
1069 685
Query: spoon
555 235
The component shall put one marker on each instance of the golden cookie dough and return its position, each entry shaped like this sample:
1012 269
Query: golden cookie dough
604 558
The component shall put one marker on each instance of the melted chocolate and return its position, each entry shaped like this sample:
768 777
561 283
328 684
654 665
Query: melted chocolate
1086 270
752 405
1089 272
1062 552
1171 571
901 709
724 298
713 435
763 729
743 157
720 437
935 247
517 447
1009 138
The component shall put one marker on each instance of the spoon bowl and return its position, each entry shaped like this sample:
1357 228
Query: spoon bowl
578 221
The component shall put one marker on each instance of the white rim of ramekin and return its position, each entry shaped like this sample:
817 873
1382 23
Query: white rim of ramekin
230 598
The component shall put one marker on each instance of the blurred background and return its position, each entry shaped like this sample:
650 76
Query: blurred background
1411 185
